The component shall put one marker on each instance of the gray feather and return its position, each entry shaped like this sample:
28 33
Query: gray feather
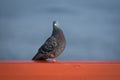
53 45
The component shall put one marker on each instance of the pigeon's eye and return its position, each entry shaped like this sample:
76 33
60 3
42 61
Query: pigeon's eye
55 24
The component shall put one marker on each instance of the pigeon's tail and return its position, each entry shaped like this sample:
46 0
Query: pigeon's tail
38 59
39 56
34 58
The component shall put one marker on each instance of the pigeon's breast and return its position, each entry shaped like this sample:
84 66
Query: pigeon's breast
61 43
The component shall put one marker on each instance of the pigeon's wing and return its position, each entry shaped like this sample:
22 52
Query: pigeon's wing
49 46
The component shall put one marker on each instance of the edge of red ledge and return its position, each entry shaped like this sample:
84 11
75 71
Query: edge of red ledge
61 61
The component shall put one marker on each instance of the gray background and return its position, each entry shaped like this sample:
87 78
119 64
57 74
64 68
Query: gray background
91 27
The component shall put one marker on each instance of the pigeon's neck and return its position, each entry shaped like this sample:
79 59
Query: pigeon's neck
56 30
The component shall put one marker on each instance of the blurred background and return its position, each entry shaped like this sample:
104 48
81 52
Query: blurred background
91 28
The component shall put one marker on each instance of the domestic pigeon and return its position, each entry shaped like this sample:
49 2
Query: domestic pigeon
53 46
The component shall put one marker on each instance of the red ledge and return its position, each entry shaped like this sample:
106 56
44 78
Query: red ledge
60 70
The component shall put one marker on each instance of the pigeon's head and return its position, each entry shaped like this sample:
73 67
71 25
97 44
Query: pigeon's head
56 28
55 24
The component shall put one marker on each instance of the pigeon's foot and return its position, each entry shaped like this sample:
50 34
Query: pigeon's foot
52 55
54 60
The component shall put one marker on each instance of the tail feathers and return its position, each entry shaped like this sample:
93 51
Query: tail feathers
39 56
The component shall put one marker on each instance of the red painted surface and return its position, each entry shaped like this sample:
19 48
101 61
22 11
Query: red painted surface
61 70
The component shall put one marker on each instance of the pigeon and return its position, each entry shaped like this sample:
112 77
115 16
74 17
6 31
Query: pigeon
53 46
